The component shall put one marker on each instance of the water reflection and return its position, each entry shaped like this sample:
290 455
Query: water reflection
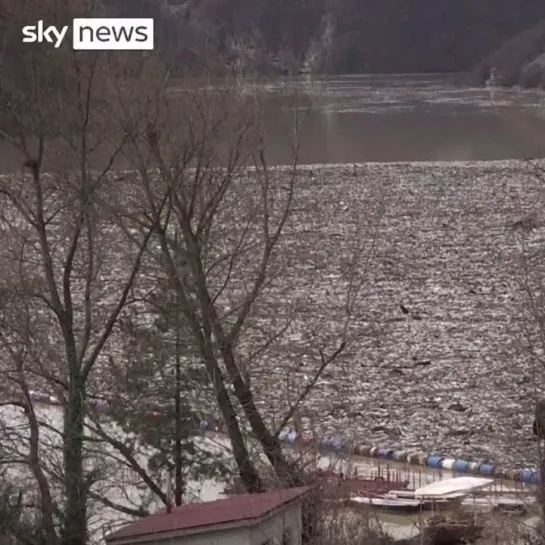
392 118
401 118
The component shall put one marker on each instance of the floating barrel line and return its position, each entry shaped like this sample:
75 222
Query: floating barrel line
432 461
335 444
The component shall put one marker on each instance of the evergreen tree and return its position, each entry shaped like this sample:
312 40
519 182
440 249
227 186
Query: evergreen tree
158 388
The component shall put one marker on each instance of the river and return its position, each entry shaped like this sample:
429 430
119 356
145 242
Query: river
403 118
355 119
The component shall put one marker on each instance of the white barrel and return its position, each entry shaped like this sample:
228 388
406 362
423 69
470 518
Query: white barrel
447 463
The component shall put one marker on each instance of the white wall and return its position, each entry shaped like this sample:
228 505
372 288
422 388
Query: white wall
237 536
273 528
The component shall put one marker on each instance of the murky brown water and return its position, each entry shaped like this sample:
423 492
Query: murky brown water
401 118
397 118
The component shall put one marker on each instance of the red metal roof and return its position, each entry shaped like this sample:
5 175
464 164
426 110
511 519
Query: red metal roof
247 507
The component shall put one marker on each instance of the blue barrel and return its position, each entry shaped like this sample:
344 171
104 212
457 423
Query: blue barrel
337 444
486 469
101 406
326 442
400 455
38 396
435 462
211 425
460 466
529 476
292 437
204 425
283 435
382 453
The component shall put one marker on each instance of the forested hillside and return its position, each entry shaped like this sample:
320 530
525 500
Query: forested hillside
343 35
373 36
425 35
520 61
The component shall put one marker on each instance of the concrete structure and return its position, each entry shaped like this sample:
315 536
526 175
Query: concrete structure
271 518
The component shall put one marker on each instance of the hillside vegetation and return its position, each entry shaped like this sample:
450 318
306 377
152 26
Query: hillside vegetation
343 36
520 61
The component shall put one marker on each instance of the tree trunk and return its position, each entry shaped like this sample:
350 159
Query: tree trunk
46 500
178 457
75 523
248 473
287 473
203 337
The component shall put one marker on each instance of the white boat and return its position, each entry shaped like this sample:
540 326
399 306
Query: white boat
391 504
442 495
462 486
411 494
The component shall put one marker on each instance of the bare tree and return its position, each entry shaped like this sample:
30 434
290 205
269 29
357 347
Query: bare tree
219 239
63 293
202 207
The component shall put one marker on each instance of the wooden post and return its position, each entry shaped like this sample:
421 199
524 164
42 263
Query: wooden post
421 525
169 491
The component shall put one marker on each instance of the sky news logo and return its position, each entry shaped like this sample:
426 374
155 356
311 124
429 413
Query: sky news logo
96 34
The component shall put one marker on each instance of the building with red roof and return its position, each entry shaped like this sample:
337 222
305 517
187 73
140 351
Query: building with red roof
270 518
